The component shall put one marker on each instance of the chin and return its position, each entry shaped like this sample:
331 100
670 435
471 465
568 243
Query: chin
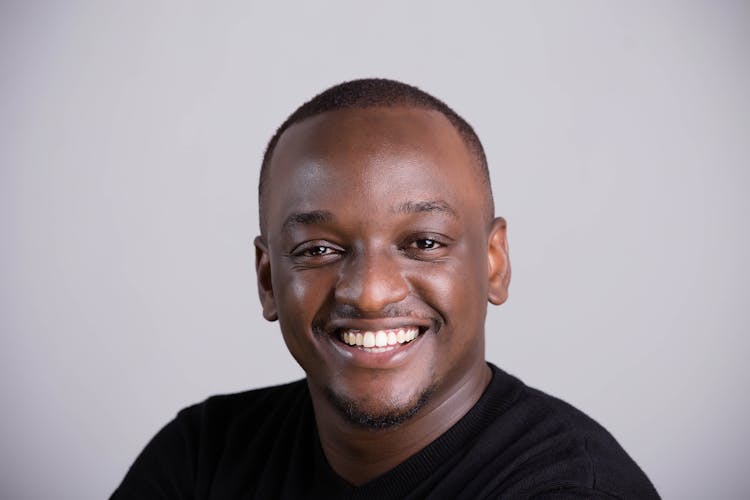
375 413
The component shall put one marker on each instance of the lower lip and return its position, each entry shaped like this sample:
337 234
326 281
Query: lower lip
389 357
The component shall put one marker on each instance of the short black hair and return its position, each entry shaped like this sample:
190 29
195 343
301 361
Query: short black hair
370 93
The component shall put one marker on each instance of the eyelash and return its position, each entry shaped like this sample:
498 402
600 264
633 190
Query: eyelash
321 252
308 252
314 250
435 243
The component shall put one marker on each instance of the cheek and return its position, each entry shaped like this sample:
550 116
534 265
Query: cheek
300 295
456 288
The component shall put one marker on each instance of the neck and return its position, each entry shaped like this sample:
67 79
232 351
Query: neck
359 454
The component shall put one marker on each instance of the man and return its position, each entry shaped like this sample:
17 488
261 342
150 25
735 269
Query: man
378 253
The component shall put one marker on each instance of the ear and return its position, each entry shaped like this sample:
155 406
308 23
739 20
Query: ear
498 262
265 287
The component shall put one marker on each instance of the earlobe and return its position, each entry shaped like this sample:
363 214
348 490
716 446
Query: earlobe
265 286
498 263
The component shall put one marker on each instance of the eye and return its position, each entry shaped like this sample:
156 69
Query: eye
426 244
425 247
316 251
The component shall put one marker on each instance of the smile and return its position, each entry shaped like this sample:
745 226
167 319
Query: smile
380 340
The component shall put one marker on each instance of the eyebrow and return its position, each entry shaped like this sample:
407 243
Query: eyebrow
308 218
407 207
413 207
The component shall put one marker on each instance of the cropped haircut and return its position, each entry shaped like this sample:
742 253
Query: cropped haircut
371 93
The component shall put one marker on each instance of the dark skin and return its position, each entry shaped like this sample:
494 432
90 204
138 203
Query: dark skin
376 221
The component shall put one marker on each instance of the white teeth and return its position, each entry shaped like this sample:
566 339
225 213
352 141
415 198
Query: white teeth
391 338
369 339
377 341
381 339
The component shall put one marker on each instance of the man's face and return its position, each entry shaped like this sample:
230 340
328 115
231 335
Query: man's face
377 258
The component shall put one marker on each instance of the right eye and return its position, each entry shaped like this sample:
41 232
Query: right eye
315 253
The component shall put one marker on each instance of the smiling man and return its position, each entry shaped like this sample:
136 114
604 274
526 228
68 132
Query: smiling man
379 252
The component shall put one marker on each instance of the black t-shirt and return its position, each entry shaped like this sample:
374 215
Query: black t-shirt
516 442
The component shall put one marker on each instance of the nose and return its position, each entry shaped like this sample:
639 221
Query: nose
371 281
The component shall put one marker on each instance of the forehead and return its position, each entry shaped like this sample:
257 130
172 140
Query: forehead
370 157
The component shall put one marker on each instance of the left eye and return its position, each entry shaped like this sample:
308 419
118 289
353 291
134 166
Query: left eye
426 244
317 251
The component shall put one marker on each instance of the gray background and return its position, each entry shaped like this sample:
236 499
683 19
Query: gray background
130 140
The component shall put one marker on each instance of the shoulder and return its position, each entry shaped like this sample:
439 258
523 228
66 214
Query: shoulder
251 416
561 448
537 412
247 404
184 457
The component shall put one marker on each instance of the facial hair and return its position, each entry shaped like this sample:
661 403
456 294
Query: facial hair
388 419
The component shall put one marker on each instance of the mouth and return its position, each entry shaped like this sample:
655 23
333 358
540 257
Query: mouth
378 340
377 343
